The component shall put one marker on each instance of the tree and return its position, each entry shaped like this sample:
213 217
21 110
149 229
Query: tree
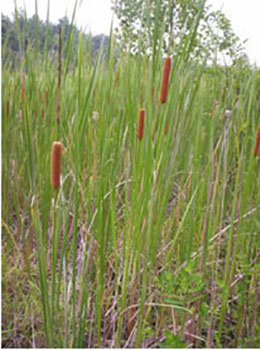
147 26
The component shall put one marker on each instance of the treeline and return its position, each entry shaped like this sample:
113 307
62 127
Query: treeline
23 33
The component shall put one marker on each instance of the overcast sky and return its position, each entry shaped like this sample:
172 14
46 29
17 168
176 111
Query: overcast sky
96 15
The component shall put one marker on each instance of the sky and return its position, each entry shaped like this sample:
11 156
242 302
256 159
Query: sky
96 16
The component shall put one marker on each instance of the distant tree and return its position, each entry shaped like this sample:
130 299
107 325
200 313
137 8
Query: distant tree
32 32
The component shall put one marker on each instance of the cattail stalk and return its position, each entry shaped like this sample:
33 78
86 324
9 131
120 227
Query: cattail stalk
140 130
257 143
56 164
152 94
165 79
59 79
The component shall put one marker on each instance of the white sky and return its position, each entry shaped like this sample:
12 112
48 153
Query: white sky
96 15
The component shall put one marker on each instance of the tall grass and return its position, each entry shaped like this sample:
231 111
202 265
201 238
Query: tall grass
138 238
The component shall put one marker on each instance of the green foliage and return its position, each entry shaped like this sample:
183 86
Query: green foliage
172 342
143 23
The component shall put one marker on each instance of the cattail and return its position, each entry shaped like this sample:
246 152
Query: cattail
141 124
165 79
42 113
56 164
223 94
7 108
23 87
46 96
58 109
166 127
257 143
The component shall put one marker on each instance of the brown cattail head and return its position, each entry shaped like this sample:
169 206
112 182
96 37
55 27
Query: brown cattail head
42 113
7 108
257 143
165 79
223 94
23 87
140 130
56 164
58 108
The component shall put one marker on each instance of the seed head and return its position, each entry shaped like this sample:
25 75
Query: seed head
56 164
141 124
23 87
7 108
257 143
166 127
165 79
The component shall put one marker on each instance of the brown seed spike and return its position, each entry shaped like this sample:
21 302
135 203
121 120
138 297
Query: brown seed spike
141 124
257 143
166 127
7 108
165 79
23 87
56 164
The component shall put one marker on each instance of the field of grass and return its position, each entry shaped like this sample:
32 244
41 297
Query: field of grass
150 241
